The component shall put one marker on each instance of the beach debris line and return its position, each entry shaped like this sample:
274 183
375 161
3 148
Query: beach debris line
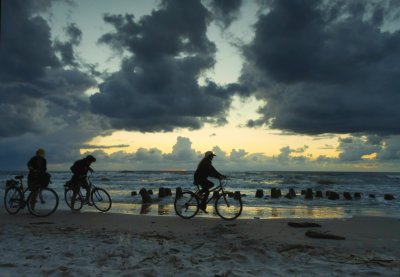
303 224
320 235
300 247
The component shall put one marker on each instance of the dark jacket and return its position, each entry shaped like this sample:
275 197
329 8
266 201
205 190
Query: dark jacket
81 167
204 170
37 172
37 164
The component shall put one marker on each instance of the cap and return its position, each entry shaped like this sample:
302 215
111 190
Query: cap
208 154
91 158
40 152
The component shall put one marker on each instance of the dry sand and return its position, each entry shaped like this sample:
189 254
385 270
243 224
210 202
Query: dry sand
97 244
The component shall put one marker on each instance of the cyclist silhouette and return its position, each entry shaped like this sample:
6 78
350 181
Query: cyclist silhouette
204 170
80 169
37 177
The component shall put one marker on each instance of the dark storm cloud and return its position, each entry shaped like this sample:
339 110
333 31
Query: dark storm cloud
157 86
19 30
226 11
42 104
327 66
66 49
359 148
37 93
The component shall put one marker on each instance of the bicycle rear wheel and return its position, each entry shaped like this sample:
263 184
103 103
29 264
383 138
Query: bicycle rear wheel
227 207
68 193
101 199
13 200
187 205
45 204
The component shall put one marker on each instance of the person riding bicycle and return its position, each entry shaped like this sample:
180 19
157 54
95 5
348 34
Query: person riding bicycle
204 170
80 169
37 177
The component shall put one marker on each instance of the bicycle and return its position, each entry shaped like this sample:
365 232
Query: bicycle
45 202
99 197
228 206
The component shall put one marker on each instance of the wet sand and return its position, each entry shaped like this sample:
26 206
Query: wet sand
110 244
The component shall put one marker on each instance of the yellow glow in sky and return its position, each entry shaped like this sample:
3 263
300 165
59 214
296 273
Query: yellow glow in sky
229 137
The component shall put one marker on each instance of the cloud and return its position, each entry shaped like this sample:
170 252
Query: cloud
225 11
326 67
382 149
66 49
89 146
183 156
354 148
42 96
157 87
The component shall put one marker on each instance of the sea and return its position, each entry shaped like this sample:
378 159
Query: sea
123 185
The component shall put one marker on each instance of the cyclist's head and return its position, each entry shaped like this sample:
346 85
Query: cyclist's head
90 158
209 154
40 152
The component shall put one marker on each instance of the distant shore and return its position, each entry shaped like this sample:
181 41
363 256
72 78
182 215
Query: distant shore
110 244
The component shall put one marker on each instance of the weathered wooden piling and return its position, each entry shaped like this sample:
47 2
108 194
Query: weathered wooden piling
178 192
145 196
332 195
237 195
259 193
275 193
309 194
389 197
347 195
161 192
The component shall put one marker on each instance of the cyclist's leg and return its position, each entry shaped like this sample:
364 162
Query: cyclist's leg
85 185
205 190
75 189
33 187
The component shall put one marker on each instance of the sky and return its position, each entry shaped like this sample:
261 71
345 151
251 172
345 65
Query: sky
153 84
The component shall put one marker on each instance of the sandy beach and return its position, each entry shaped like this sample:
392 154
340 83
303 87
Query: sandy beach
97 244
109 244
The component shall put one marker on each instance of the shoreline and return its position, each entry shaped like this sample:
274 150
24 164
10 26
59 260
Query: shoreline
111 244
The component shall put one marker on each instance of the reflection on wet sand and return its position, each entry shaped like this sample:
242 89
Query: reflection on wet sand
145 208
269 212
293 212
164 209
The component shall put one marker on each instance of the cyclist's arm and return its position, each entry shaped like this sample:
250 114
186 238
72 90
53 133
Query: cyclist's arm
214 173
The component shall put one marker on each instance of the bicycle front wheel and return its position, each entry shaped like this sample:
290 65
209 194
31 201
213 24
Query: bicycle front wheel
187 205
13 200
101 199
68 194
228 207
43 202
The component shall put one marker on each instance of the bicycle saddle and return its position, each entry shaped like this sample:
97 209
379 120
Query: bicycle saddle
19 177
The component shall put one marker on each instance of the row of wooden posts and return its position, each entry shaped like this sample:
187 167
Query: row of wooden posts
164 192
275 193
309 194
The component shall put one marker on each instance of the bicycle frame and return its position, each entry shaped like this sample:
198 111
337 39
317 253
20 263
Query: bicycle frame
23 190
212 190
